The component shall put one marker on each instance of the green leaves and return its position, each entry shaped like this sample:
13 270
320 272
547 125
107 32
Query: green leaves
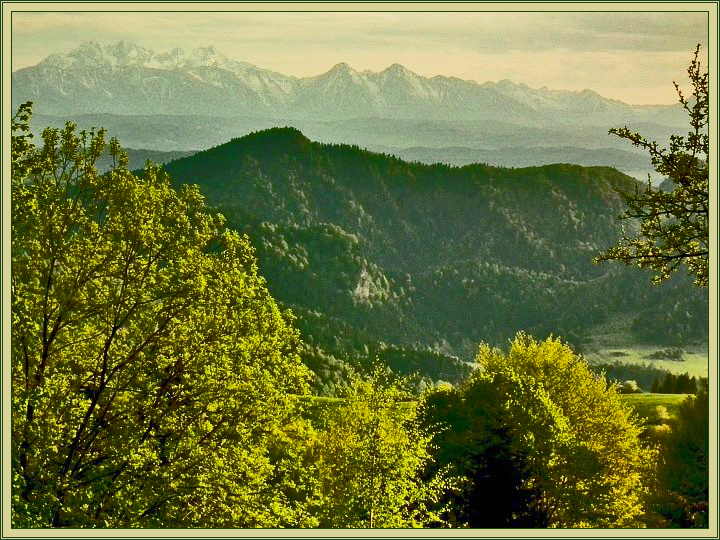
541 442
681 495
371 454
150 364
672 226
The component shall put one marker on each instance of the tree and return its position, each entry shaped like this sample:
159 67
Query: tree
489 458
673 225
574 445
683 470
151 369
630 387
371 455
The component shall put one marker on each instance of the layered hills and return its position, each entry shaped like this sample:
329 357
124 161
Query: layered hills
379 250
190 100
415 264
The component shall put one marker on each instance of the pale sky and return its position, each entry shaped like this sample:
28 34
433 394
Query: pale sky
630 56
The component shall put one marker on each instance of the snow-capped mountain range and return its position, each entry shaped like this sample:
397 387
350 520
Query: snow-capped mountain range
128 79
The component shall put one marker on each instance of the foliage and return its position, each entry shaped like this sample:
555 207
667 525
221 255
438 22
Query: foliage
644 374
673 225
680 491
329 373
575 449
629 387
679 318
370 454
407 361
683 470
151 369
494 480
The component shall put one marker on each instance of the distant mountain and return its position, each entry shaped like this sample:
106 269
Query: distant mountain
417 264
521 156
428 141
127 79
189 100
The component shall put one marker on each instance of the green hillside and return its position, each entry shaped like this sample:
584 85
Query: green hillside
416 264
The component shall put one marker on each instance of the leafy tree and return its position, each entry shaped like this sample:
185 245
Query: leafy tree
487 455
371 454
630 387
151 369
574 445
673 225
683 470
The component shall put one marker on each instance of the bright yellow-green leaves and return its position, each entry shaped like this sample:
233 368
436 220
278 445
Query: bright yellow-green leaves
672 226
150 364
371 455
580 441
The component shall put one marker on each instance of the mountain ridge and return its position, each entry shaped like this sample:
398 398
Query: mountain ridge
181 100
105 78
375 255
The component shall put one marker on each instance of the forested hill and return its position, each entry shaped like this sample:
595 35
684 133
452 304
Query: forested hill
377 256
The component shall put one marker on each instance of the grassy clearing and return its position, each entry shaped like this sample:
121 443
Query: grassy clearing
694 363
646 404
612 342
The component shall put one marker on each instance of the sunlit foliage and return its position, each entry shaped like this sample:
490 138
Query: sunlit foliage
371 454
150 366
570 449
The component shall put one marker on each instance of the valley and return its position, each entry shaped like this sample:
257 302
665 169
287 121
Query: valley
613 341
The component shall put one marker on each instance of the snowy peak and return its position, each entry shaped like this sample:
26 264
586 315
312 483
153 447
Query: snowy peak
93 54
128 54
339 72
204 80
208 57
398 70
342 67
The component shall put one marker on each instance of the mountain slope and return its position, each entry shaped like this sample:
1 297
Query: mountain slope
374 254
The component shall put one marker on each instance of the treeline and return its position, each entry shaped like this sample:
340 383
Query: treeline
649 378
677 384
446 256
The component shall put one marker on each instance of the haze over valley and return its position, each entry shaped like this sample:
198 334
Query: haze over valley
381 289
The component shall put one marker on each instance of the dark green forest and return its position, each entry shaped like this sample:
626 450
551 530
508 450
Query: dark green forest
375 255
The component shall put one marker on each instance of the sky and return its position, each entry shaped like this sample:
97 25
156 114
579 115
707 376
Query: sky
630 56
